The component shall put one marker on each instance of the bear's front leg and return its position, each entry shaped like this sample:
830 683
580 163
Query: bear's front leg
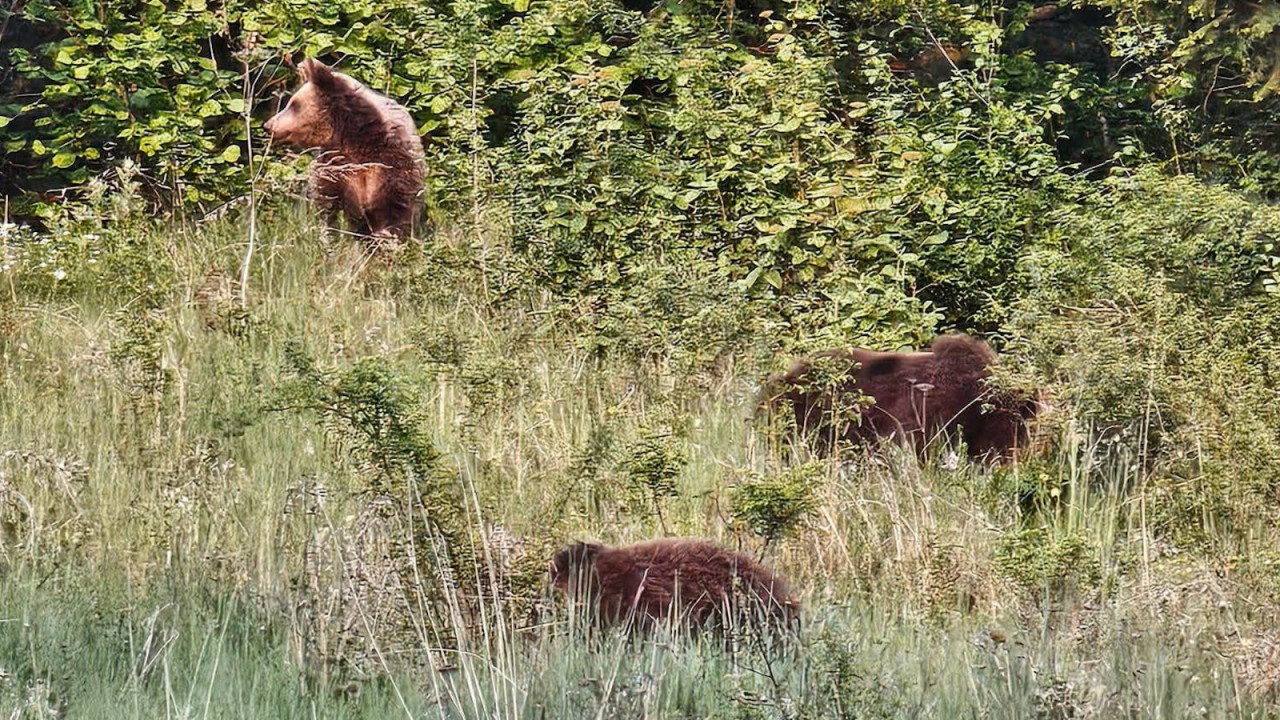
326 194
390 223
392 205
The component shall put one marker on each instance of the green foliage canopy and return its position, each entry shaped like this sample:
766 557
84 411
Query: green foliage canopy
780 140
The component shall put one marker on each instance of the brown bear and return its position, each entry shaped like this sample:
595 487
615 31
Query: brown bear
933 64
862 397
370 164
693 584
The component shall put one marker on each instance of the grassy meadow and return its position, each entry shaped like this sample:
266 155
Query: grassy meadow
247 471
332 491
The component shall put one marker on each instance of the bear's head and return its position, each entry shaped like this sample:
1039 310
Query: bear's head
1006 425
573 567
305 121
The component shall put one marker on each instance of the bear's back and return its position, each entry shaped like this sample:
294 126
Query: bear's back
387 135
688 581
864 396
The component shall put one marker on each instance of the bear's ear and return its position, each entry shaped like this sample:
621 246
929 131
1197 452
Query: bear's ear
577 555
573 562
317 73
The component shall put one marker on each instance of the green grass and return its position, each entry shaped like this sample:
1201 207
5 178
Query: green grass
73 652
178 542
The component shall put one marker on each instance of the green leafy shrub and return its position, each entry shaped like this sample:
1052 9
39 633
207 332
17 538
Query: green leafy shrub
374 413
139 79
774 508
1153 320
1042 561
654 462
181 91
674 314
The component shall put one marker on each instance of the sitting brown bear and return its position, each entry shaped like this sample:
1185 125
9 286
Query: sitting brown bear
862 397
370 164
693 584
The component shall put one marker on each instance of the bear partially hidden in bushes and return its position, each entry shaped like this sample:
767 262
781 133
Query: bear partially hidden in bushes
370 163
693 584
863 397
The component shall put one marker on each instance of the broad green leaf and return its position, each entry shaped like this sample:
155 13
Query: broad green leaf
150 144
64 160
231 154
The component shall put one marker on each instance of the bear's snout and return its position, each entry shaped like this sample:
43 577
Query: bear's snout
275 124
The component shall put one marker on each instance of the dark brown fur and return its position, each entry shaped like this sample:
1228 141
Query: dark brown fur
863 397
694 583
933 64
370 161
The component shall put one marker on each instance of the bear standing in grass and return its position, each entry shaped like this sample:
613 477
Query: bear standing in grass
370 163
692 583
862 397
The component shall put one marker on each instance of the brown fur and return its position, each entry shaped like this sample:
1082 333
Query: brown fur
370 164
862 397
695 583
933 64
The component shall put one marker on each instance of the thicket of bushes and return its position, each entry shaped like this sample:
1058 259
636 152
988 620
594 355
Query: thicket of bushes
1154 311
801 145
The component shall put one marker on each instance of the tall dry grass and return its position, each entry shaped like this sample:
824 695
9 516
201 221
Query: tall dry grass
177 544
